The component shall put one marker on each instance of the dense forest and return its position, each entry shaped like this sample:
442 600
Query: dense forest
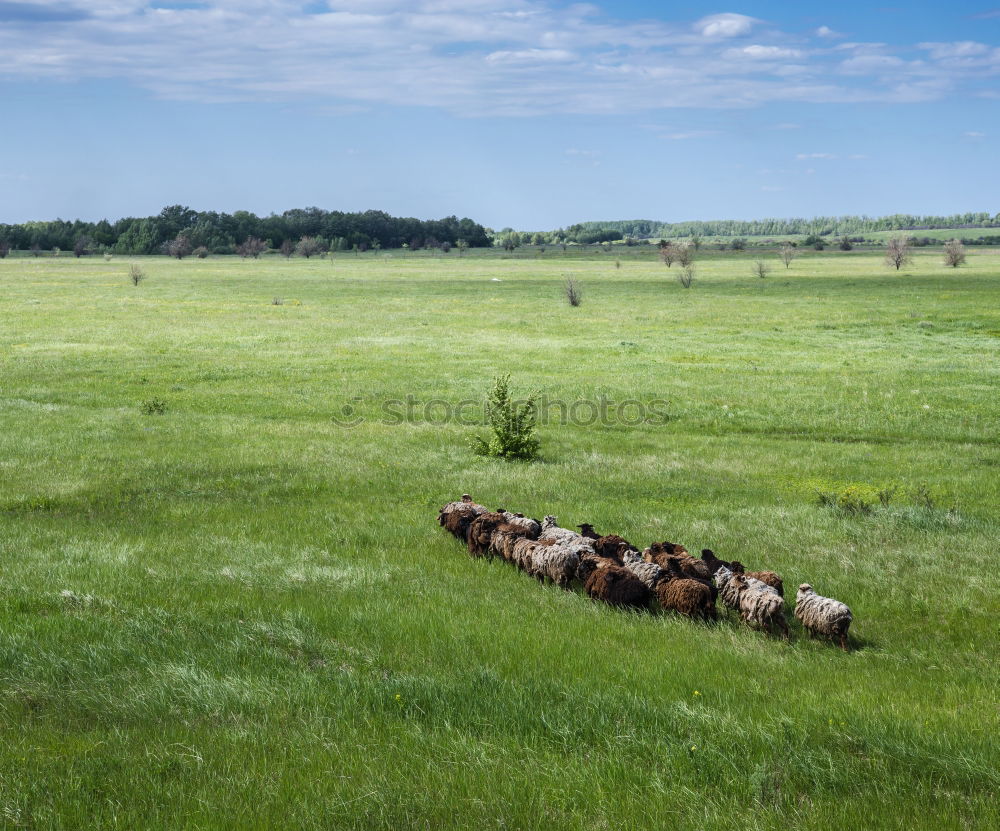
221 233
590 232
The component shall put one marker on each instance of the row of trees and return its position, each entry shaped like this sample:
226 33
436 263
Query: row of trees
823 226
222 233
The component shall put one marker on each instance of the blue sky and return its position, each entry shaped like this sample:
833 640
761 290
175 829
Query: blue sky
515 112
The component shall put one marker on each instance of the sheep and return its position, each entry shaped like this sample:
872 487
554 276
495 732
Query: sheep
557 561
771 578
713 562
532 526
522 552
822 615
456 517
691 598
613 546
664 553
758 603
503 540
552 531
617 586
649 573
481 530
676 570
589 563
587 530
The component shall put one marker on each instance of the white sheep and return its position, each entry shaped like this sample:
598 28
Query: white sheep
579 543
649 573
758 603
822 615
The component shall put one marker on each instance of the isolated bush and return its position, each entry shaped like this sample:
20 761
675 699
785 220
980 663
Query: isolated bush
668 252
201 252
108 256
738 244
81 246
845 244
153 406
308 246
686 276
178 247
513 425
760 268
685 254
287 248
135 274
787 253
573 291
897 252
954 253
4 248
251 247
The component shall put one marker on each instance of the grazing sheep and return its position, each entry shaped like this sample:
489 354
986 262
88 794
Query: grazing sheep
617 586
456 517
532 526
522 553
557 561
589 563
587 530
822 615
665 553
676 570
613 546
713 562
691 598
772 578
481 530
758 603
552 531
650 573
503 540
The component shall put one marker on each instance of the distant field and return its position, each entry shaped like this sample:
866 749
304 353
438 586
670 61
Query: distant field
238 613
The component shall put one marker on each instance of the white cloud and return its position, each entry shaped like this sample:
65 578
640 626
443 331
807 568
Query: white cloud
690 134
826 32
957 49
974 134
759 52
802 156
867 64
724 25
473 57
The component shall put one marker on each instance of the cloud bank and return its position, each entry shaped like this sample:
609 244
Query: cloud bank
476 57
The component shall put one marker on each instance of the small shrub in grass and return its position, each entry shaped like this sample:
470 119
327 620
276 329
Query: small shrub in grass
135 274
277 301
201 252
686 276
573 291
153 406
512 423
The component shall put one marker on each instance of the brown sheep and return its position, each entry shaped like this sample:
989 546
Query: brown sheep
689 566
504 538
713 562
691 598
456 517
589 563
613 547
675 570
480 535
617 586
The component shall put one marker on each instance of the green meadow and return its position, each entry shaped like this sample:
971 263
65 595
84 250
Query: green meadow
226 602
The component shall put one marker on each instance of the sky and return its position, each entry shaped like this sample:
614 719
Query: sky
533 114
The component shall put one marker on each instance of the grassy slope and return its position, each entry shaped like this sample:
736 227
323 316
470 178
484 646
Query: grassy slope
268 629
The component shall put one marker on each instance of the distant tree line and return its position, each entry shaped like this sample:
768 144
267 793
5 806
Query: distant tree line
823 226
181 229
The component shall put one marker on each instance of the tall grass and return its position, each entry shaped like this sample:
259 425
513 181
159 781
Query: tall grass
241 613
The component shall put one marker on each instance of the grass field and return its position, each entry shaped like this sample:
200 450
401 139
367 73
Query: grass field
239 613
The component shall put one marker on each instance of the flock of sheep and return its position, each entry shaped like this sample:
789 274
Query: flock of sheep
616 572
